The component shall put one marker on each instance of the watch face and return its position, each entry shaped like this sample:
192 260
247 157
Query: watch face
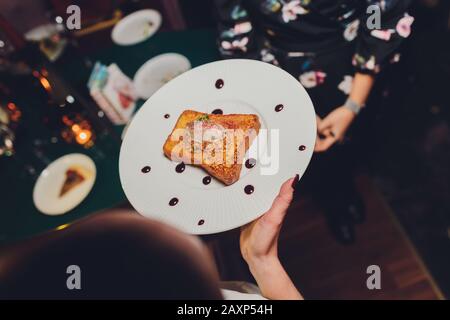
353 106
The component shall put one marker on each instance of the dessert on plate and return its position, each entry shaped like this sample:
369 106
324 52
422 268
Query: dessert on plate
75 176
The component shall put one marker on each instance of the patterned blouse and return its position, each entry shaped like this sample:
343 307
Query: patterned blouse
315 26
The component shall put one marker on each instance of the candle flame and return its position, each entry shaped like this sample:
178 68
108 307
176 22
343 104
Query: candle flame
45 83
83 136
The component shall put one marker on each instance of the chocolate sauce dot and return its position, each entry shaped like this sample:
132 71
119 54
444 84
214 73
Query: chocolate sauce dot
167 116
206 180
219 83
250 163
249 189
173 202
279 107
146 169
217 111
200 222
301 148
180 167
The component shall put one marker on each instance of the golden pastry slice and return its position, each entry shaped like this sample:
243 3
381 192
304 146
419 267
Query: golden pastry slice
215 142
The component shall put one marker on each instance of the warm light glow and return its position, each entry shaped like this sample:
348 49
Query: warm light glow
45 83
83 136
63 226
15 113
66 120
44 72
76 128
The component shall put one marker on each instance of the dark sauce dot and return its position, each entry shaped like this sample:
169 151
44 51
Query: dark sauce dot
206 180
200 222
249 189
219 83
250 163
279 107
167 116
173 202
146 169
217 111
180 167
301 148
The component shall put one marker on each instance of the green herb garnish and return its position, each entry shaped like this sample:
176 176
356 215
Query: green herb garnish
203 117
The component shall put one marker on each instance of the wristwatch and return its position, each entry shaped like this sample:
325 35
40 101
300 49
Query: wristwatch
353 106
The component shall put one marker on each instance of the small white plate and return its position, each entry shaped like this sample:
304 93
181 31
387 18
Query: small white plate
48 185
136 27
157 190
157 71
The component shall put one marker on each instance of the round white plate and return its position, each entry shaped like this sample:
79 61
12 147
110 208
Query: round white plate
157 71
136 27
249 87
48 185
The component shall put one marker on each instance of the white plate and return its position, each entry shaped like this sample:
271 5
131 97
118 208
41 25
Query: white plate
157 71
46 190
136 27
249 87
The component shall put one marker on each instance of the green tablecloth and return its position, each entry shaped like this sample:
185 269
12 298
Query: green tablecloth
18 216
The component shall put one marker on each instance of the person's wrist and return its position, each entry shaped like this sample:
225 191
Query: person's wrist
353 106
272 279
263 265
349 113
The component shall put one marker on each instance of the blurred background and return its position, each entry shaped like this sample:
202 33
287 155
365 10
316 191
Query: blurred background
66 90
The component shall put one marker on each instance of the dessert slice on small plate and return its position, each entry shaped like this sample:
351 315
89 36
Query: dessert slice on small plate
64 184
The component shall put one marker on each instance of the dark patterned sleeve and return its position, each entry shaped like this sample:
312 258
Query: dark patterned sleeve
377 47
236 37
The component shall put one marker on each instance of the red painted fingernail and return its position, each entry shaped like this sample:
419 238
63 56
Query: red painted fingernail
295 181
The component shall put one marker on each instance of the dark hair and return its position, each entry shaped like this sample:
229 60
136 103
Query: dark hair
121 256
